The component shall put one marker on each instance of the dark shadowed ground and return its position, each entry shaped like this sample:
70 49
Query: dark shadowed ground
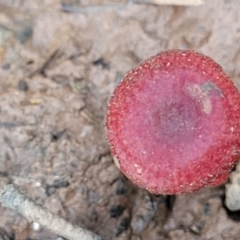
59 63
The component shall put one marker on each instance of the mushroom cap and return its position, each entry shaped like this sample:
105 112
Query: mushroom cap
173 123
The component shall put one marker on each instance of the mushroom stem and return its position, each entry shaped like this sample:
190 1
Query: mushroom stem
12 197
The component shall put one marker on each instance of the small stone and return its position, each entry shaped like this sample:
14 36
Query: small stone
124 225
117 211
36 226
233 191
22 85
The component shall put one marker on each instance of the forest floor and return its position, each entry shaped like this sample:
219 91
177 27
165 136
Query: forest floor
59 63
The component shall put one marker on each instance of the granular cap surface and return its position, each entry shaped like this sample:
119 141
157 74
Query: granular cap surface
173 123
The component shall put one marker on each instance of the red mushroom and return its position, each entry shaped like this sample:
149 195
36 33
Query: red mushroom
173 123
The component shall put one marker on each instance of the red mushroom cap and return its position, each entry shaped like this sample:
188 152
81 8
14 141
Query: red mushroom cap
173 123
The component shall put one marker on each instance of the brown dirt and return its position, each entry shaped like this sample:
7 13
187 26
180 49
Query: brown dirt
59 63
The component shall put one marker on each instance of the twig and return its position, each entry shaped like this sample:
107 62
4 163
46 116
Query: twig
172 2
11 197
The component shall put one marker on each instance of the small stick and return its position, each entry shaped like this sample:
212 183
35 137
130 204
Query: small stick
172 2
11 197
